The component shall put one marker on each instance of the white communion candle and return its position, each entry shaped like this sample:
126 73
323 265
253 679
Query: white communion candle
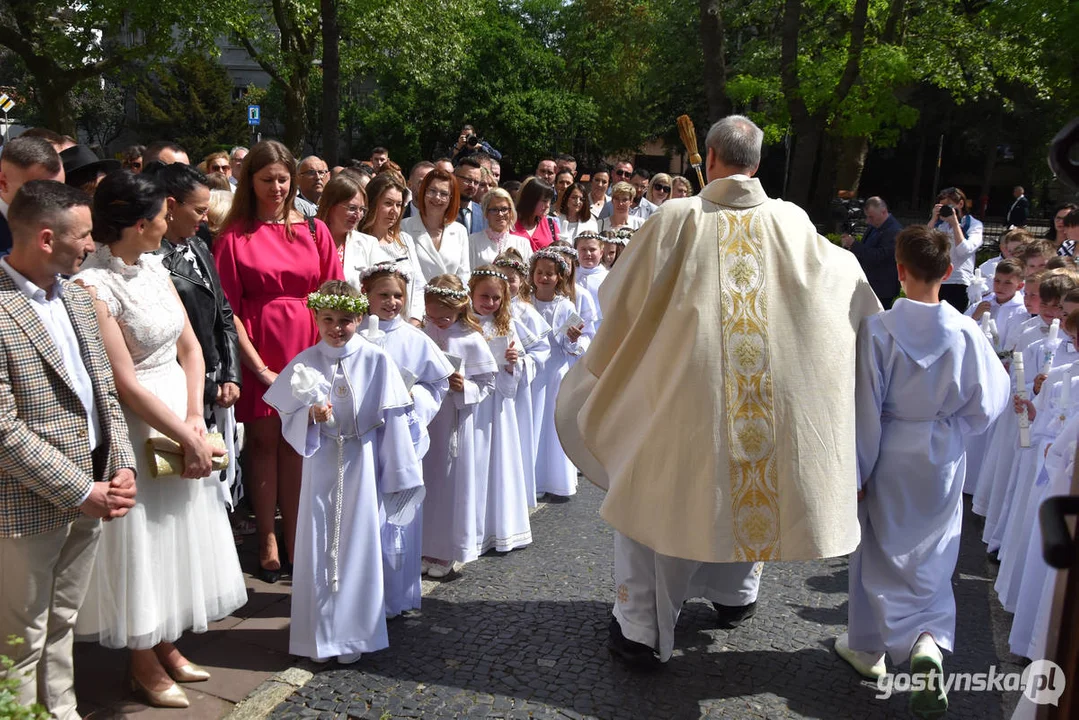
1021 391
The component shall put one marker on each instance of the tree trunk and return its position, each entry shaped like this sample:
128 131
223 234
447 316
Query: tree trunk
807 140
54 98
715 61
296 114
825 178
992 136
852 154
331 82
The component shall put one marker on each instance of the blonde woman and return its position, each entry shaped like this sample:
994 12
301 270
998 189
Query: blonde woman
681 187
496 238
659 189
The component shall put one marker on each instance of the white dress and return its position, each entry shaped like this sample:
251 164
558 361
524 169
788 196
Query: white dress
417 355
455 510
170 564
371 447
533 331
555 473
569 230
498 447
362 251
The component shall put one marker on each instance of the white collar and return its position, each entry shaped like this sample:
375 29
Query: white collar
28 288
3 208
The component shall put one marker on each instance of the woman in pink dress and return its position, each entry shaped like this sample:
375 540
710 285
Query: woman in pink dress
269 258
533 222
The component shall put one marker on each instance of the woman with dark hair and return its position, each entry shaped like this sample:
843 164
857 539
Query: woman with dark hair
441 241
193 273
533 205
171 565
269 258
950 217
131 158
1056 230
574 213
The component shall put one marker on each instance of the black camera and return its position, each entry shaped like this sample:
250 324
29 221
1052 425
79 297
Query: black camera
946 211
846 212
472 141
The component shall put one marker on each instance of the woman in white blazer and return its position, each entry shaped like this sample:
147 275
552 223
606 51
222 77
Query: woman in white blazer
487 244
441 242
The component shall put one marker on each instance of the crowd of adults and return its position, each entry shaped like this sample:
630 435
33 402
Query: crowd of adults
146 299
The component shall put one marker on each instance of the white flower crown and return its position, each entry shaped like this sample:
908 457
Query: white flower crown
346 303
445 292
567 251
491 273
553 256
516 265
589 235
386 267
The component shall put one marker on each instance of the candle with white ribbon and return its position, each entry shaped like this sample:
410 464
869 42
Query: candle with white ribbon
1021 391
1050 347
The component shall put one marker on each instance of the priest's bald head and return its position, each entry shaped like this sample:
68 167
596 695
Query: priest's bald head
734 148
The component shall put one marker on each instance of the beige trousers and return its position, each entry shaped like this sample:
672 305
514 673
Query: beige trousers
43 580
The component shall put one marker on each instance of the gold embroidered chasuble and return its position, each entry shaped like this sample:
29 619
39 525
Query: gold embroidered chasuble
716 402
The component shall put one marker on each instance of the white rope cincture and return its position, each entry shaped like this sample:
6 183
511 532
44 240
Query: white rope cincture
337 512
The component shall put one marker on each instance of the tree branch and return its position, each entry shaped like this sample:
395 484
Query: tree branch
788 63
257 57
854 52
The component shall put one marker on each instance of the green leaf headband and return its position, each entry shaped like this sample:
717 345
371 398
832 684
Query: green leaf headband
345 303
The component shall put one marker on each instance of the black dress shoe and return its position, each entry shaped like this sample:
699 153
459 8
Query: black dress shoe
637 656
269 576
728 617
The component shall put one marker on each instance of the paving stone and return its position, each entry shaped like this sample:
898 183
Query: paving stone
524 635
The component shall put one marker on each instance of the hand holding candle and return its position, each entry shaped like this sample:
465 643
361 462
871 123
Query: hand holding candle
1021 391
311 387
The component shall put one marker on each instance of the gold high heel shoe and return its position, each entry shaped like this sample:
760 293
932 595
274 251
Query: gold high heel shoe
171 697
188 673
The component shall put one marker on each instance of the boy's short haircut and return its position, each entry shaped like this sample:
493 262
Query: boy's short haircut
1071 325
924 252
1072 296
1060 262
1020 234
1036 248
1009 267
1054 286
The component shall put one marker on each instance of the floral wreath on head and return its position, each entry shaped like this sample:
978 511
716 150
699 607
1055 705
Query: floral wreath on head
515 265
386 267
589 235
616 240
552 255
624 233
445 292
565 250
346 303
491 273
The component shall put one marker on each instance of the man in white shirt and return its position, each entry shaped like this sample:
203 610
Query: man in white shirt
236 159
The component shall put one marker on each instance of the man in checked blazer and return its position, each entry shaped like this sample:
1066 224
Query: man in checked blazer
65 459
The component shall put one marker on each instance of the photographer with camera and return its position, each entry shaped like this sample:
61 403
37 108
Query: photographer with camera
950 217
876 250
468 143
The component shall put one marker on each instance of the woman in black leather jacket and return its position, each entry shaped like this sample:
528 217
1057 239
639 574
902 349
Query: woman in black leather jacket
192 269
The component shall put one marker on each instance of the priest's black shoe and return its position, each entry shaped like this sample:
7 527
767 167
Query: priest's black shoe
637 656
728 617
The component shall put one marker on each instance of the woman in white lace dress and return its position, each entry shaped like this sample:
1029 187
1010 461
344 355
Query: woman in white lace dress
171 564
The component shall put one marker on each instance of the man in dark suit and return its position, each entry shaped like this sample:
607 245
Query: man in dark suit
65 457
469 174
876 251
24 159
1017 213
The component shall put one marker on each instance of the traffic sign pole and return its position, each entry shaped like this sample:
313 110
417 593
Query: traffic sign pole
254 116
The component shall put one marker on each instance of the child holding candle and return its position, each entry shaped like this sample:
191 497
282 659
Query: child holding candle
550 273
456 502
345 409
498 443
1006 301
426 373
533 331
910 481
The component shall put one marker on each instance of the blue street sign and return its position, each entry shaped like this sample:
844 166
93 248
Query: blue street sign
252 114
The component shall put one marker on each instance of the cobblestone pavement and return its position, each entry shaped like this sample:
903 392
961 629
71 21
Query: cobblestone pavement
525 635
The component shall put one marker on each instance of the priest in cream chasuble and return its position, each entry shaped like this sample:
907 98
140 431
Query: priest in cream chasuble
716 402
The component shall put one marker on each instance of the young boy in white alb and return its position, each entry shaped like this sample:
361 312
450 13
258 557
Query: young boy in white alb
927 376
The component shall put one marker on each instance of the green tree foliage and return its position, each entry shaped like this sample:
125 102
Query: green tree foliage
190 102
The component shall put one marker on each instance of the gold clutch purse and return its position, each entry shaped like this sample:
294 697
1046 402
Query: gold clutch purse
166 457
